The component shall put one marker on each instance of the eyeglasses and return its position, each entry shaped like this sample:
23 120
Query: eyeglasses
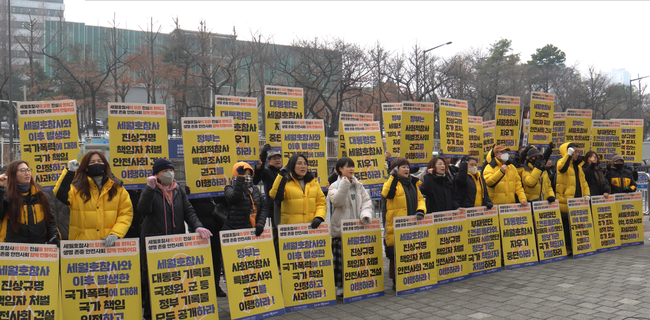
25 170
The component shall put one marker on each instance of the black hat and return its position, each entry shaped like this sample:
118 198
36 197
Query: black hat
162 164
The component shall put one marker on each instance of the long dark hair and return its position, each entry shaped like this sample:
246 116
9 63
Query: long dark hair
15 196
81 178
291 165
589 154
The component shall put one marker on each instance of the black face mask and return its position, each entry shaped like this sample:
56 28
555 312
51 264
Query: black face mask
619 166
539 163
96 170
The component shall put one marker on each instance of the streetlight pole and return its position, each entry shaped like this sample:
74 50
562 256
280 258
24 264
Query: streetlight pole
424 57
639 79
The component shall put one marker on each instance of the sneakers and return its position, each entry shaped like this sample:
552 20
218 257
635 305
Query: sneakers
339 292
220 292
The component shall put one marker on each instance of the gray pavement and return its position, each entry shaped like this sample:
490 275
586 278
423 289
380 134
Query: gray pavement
610 285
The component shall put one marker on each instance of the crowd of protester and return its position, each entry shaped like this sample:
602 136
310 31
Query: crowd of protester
90 203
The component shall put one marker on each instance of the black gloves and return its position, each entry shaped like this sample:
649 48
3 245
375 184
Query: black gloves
54 240
316 222
551 199
419 215
551 145
489 205
259 229
241 171
264 152
284 172
540 164
524 153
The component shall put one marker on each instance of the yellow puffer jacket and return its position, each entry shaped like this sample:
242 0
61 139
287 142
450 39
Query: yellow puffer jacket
536 182
565 182
396 206
502 188
298 206
98 217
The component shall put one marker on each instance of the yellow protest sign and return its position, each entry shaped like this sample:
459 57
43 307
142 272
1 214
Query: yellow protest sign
416 142
632 140
488 138
363 260
307 271
583 238
349 116
451 240
254 290
281 103
454 137
138 137
517 236
30 281
392 117
208 154
475 137
578 128
606 138
541 118
181 281
243 110
559 131
365 148
415 265
507 119
606 225
48 138
308 138
99 282
484 238
551 244
629 207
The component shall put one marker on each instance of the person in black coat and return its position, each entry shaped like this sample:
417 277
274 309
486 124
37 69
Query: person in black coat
437 188
598 184
470 185
621 179
246 207
266 171
165 209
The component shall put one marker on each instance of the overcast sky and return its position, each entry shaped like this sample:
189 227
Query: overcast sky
602 34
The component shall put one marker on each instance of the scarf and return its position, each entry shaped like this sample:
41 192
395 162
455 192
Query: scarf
168 195
411 194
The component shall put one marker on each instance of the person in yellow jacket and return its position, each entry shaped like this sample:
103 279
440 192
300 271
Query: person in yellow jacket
570 183
501 177
537 184
25 213
100 207
299 194
403 198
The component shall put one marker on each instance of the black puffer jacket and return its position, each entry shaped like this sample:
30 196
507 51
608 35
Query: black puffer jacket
32 228
157 222
465 188
238 197
439 193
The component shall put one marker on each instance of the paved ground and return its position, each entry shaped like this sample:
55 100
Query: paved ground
611 285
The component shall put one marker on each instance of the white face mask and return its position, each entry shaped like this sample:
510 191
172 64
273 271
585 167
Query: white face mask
166 177
472 170
505 157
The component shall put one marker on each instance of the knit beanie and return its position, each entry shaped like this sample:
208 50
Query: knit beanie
162 164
